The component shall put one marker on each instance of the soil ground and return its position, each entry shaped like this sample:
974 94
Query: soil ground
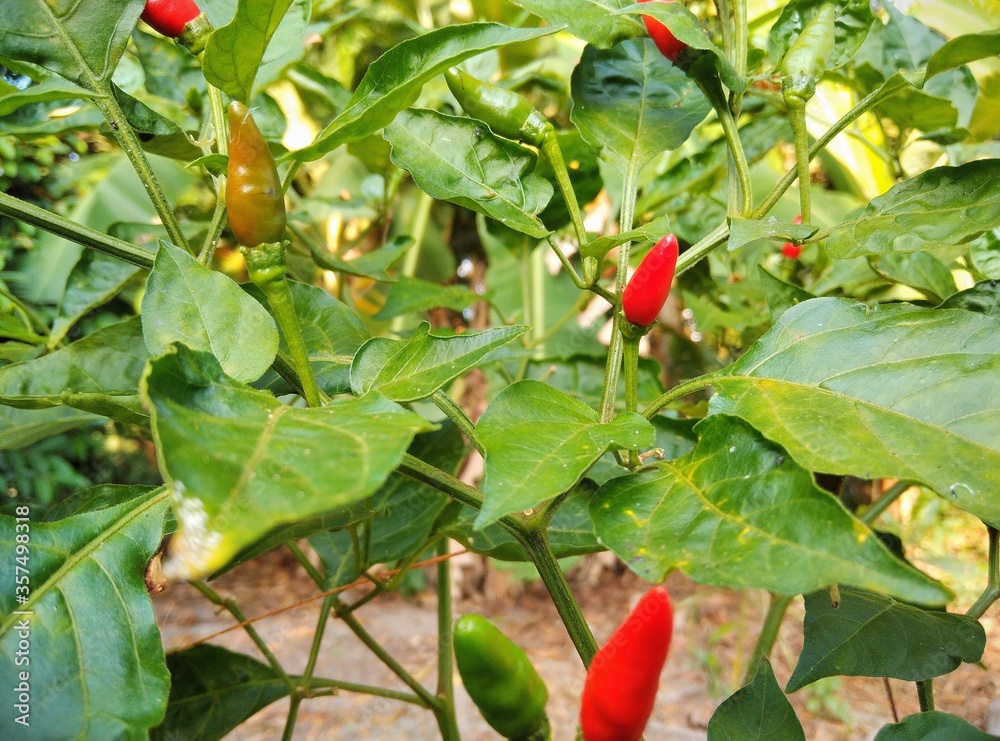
715 630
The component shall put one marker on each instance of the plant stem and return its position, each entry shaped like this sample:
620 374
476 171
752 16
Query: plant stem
863 106
268 271
797 119
457 415
445 711
690 257
681 389
768 633
132 147
553 152
84 235
532 538
712 88
222 147
293 714
992 591
234 609
418 228
630 349
538 300
384 656
925 694
536 543
612 368
881 504
365 689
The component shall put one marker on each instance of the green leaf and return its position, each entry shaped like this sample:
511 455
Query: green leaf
744 231
919 270
96 659
206 310
962 50
870 635
893 391
393 81
213 690
374 264
594 21
738 512
20 428
46 89
650 232
96 279
854 19
686 27
540 442
413 295
758 711
408 370
398 519
630 105
570 531
83 43
108 362
780 296
460 160
332 332
932 726
985 254
235 51
983 298
941 206
94 498
241 463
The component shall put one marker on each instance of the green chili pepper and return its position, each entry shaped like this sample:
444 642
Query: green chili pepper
504 111
500 679
807 57
255 200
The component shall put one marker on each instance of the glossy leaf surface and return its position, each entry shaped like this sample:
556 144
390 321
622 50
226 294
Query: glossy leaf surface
393 82
205 310
630 105
897 391
241 463
942 206
96 660
870 635
417 367
540 442
460 160
758 711
738 512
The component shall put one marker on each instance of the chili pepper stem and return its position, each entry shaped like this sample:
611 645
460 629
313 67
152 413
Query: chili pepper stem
444 711
712 89
82 235
218 112
553 152
631 373
612 368
992 591
536 542
925 695
768 633
797 119
268 271
130 144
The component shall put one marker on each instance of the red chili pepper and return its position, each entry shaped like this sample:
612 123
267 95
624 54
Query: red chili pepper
792 251
666 42
621 683
169 17
647 291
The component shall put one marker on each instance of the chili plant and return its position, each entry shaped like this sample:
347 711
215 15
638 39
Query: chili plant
383 153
